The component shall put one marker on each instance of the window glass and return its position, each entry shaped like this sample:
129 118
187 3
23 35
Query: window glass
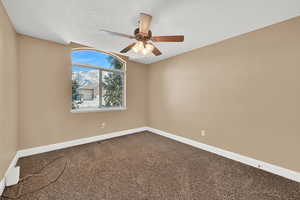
97 81
112 88
85 87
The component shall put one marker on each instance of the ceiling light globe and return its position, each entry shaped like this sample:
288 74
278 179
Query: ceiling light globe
140 44
135 49
145 51
149 47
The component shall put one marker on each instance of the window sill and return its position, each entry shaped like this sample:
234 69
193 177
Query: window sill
98 110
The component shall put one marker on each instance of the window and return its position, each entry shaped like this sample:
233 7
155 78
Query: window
98 81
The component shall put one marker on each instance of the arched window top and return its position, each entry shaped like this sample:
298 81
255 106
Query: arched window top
97 58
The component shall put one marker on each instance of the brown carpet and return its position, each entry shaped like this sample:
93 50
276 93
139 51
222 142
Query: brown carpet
144 166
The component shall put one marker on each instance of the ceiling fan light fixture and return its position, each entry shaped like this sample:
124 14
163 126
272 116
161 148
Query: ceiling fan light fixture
135 48
143 36
143 48
149 47
145 51
138 47
140 44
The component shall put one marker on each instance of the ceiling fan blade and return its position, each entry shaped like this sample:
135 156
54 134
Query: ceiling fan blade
144 23
117 34
171 38
125 50
156 51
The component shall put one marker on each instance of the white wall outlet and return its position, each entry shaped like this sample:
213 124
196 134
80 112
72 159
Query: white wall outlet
103 124
202 132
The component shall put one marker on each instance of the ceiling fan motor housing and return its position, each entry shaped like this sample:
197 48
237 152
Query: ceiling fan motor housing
141 37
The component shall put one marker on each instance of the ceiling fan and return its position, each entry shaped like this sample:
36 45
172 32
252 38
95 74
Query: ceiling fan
143 35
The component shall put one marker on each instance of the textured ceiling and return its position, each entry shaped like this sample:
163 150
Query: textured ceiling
202 22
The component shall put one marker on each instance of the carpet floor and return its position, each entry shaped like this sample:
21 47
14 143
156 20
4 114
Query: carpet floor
144 166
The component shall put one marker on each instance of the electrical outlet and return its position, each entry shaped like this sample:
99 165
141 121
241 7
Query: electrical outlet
102 124
203 133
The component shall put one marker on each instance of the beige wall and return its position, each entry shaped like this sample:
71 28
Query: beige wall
245 92
45 97
8 92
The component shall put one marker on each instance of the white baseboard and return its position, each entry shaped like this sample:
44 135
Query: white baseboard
286 173
2 186
63 145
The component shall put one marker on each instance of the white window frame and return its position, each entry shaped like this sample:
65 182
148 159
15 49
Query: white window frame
101 68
